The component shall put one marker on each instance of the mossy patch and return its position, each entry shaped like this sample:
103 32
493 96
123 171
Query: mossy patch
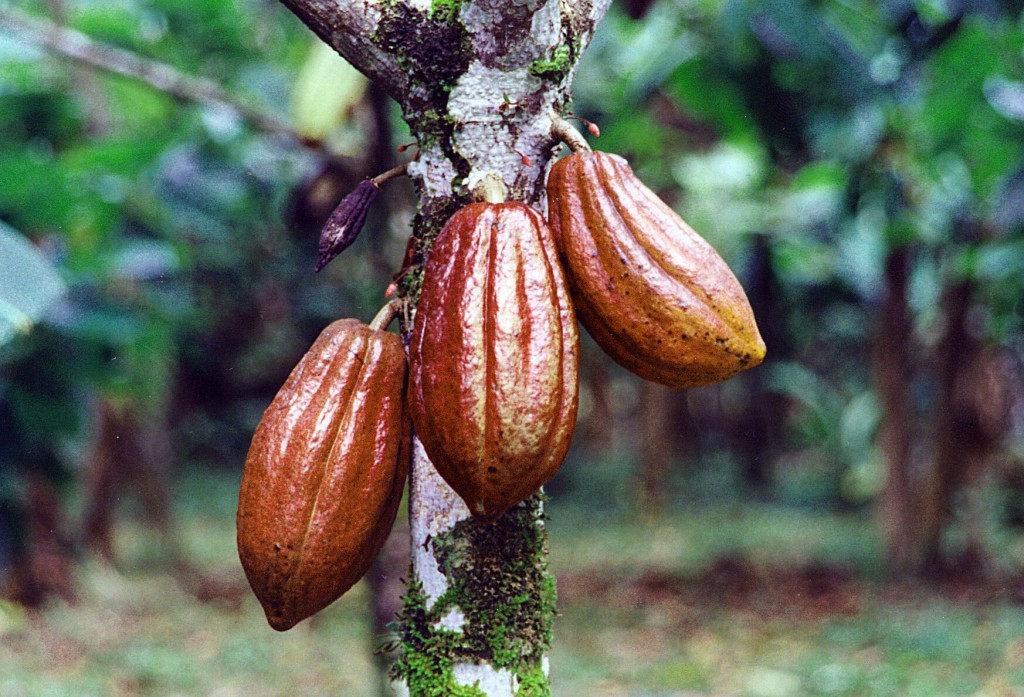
445 10
435 50
534 682
555 67
498 580
428 668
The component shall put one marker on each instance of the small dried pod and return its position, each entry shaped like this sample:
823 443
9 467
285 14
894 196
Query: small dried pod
325 472
493 377
346 222
651 291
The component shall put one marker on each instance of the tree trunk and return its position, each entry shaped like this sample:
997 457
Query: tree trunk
955 352
893 371
974 393
759 433
42 563
131 453
598 430
478 83
972 415
655 447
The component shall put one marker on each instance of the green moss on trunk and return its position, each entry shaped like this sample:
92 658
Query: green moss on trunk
445 10
557 66
498 580
534 683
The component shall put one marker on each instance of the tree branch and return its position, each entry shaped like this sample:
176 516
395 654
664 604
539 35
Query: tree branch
73 44
348 26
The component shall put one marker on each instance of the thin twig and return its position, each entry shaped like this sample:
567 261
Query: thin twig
399 171
74 44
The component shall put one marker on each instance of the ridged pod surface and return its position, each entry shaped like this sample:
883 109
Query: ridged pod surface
651 292
493 382
324 475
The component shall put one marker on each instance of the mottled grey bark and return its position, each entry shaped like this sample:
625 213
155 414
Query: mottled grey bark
479 83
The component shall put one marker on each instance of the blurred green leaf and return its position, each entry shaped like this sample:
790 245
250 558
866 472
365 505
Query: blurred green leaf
1000 262
144 259
29 285
823 173
1005 96
325 91
723 108
955 79
802 259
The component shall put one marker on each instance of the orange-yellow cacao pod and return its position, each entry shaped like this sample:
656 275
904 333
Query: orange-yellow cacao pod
324 475
493 378
651 292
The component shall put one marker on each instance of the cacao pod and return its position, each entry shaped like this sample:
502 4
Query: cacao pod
324 475
346 222
493 379
651 292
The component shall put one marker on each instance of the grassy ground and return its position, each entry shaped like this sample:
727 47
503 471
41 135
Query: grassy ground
739 601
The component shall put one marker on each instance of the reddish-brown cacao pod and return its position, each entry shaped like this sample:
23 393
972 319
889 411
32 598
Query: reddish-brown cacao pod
651 292
324 475
493 380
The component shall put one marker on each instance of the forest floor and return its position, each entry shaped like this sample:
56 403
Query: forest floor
738 601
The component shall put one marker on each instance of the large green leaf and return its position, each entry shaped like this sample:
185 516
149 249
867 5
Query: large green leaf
28 284
954 83
325 91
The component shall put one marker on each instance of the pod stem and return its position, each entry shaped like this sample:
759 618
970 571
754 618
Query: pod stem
491 189
387 314
399 171
565 132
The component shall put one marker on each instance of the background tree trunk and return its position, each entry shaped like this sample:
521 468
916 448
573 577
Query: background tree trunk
479 83
893 371
758 433
655 447
130 453
42 561
955 352
972 416
974 393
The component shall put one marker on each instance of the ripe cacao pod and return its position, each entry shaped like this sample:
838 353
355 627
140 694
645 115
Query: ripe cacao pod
324 475
493 379
651 292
